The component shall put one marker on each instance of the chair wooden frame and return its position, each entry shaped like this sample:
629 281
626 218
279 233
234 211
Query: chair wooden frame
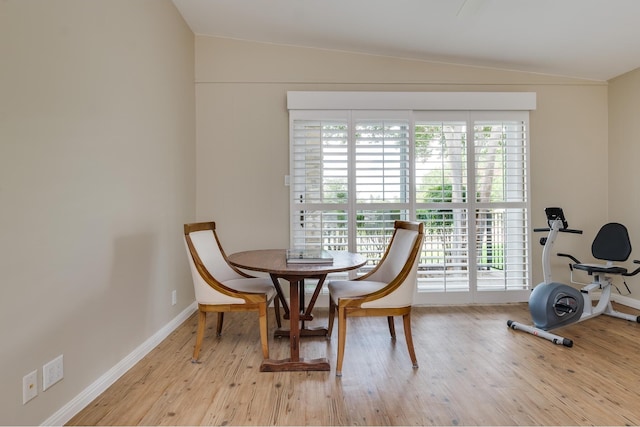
353 306
252 301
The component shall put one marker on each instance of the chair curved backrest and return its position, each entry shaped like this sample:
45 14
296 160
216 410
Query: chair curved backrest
612 243
398 267
221 288
209 267
387 290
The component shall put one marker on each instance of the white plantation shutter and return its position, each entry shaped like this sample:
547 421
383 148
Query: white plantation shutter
319 184
441 202
500 158
463 173
382 181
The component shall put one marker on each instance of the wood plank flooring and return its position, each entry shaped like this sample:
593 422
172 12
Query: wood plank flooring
474 370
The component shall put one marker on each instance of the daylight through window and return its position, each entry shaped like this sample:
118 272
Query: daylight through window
464 174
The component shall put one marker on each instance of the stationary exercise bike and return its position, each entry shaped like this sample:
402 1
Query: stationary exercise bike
553 305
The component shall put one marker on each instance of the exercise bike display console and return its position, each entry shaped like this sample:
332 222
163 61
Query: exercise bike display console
553 305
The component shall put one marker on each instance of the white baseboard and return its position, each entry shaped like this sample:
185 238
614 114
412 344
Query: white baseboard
625 300
83 399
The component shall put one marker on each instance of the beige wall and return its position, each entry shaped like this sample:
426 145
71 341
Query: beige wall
624 157
242 133
97 157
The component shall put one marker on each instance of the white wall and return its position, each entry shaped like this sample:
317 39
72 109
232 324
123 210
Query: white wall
243 146
97 158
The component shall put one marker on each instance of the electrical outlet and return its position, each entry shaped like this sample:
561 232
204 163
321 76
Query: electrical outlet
29 386
52 372
174 297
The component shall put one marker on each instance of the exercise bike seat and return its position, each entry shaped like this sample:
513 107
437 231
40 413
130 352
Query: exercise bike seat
611 244
600 268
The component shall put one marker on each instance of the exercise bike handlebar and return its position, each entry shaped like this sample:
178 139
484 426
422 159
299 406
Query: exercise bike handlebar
562 230
634 272
577 261
574 259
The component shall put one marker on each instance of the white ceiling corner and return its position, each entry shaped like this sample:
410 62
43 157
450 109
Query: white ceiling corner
589 39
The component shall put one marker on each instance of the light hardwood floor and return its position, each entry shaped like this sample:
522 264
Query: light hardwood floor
474 370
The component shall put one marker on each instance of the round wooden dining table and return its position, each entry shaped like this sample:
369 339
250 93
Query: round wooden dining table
274 262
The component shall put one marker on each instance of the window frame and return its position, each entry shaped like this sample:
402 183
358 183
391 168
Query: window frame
414 107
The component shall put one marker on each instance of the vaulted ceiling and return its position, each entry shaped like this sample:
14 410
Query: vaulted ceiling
590 39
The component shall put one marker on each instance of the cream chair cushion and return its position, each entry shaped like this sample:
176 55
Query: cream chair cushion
206 246
394 262
353 288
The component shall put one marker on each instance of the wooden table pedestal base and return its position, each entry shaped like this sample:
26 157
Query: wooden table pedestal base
270 365
306 332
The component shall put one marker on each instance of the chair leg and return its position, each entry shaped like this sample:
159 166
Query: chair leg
407 335
332 315
202 321
220 322
264 340
276 307
342 335
392 327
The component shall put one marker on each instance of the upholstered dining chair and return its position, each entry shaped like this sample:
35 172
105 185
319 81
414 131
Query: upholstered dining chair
220 288
387 290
